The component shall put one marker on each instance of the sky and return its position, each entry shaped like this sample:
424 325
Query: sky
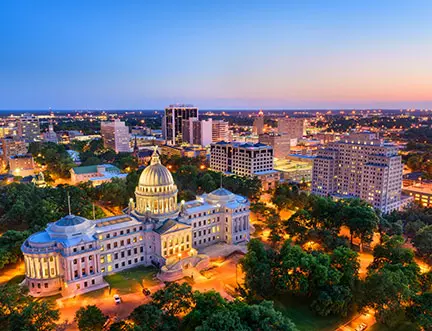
215 54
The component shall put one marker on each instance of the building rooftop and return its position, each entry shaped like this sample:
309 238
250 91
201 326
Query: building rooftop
94 168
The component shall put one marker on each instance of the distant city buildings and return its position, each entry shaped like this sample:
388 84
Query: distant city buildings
197 132
116 136
258 124
172 122
21 165
96 174
280 143
360 165
50 135
421 192
292 127
245 159
29 127
220 131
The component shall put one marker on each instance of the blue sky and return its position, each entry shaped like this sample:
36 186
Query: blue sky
215 54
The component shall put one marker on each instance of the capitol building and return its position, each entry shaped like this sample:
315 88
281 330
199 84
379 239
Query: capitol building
72 255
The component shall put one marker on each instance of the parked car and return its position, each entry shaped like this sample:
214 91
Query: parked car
117 299
146 291
361 327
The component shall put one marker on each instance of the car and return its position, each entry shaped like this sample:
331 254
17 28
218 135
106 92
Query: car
117 299
361 327
146 291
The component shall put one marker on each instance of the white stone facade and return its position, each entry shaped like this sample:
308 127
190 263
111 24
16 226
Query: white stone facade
360 165
72 255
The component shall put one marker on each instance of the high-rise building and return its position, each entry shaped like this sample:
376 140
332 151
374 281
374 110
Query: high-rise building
220 131
197 132
245 159
172 122
29 127
258 124
360 165
281 143
292 127
116 136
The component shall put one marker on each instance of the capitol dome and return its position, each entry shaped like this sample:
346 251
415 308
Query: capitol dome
220 195
156 193
156 174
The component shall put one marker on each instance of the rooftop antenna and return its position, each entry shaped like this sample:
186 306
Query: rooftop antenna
69 204
94 213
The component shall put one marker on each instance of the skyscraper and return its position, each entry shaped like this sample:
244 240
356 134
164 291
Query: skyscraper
29 127
115 135
360 165
258 124
172 122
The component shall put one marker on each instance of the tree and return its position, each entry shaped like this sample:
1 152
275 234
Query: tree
90 318
12 299
346 261
420 311
34 316
206 304
262 316
206 183
151 317
126 325
390 251
257 265
335 299
174 299
423 241
360 218
388 291
10 246
225 320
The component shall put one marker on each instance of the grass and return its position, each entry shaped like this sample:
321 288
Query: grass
297 309
16 280
130 281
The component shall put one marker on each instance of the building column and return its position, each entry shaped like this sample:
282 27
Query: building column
87 264
57 263
79 268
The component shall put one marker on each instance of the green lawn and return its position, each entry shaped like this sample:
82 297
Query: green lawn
16 280
130 281
305 320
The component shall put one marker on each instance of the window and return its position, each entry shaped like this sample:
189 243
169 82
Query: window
108 246
75 261
46 285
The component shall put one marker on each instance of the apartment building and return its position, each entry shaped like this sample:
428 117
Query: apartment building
360 165
29 127
197 132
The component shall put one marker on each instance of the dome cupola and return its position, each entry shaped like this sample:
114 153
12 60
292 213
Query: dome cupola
156 192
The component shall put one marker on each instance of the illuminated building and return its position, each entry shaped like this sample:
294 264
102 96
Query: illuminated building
245 159
292 127
72 255
172 122
360 165
258 124
116 136
29 127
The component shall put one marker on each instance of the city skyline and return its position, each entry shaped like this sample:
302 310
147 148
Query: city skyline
75 55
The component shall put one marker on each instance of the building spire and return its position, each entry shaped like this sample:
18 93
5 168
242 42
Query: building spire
155 157
221 180
69 203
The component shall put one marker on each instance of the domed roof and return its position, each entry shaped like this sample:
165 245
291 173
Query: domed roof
156 174
221 195
70 220
69 226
